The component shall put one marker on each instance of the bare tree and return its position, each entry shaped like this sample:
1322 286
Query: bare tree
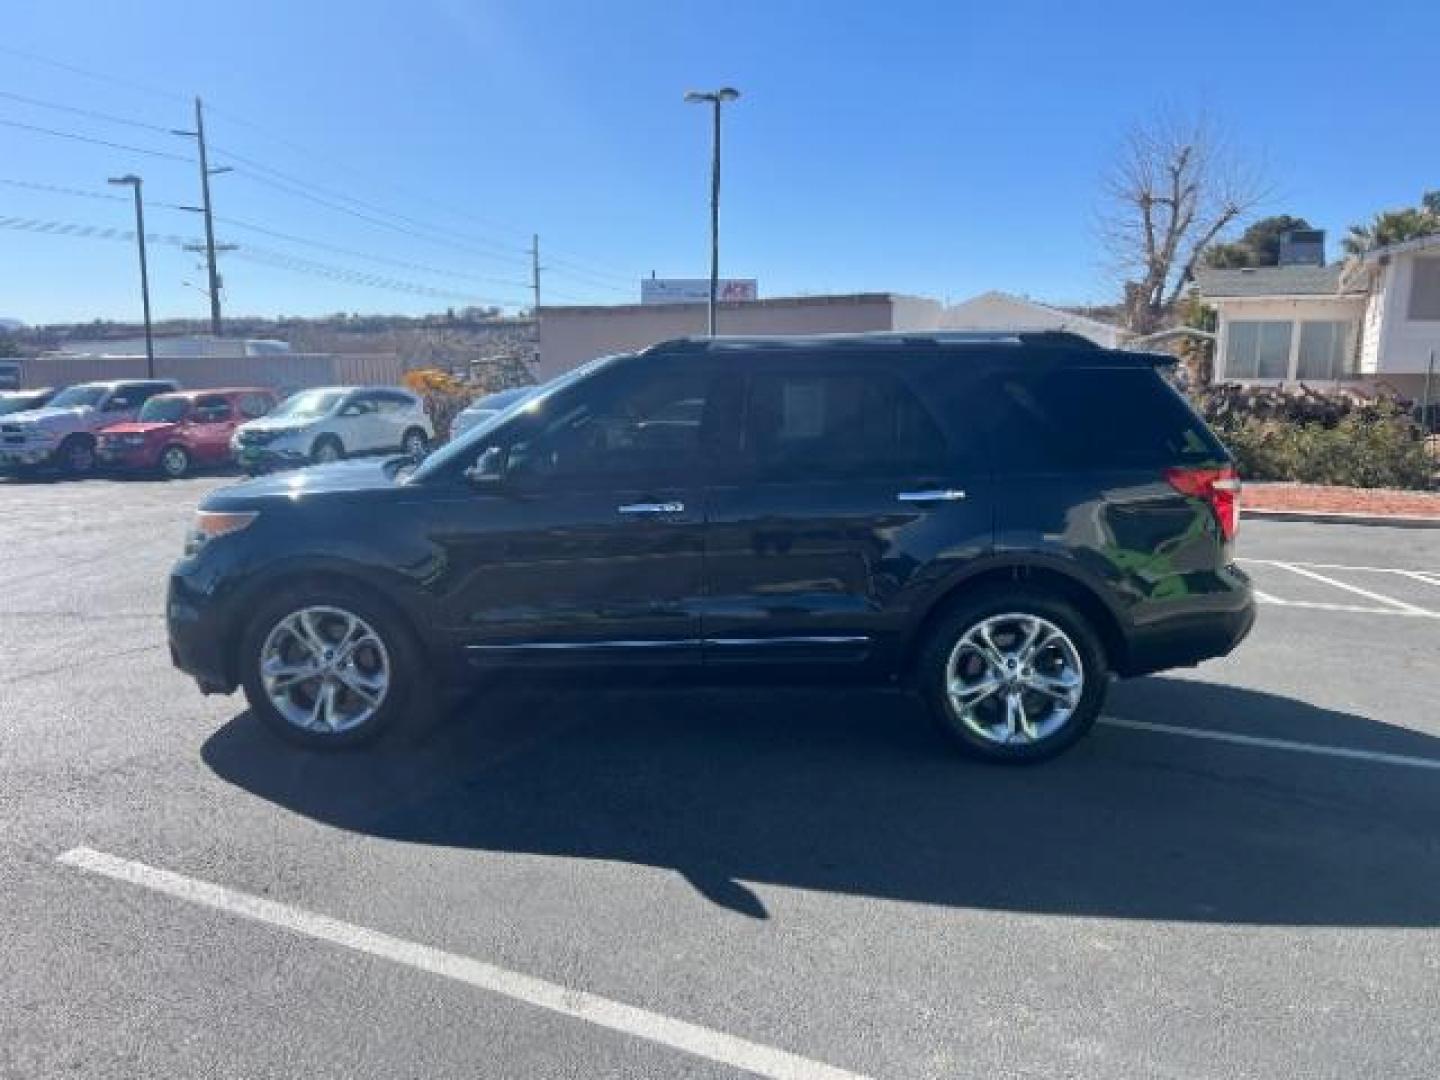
1173 190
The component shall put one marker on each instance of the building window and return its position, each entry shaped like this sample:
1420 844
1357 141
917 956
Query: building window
1257 350
1324 351
1425 290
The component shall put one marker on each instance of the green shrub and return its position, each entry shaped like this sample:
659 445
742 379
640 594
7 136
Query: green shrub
1375 447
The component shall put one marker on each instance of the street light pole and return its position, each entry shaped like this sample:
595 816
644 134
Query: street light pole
134 182
716 98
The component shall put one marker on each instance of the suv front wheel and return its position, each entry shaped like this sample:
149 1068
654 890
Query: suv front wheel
328 667
1013 675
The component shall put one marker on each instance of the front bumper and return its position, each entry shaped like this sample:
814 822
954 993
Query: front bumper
28 455
201 631
269 456
128 457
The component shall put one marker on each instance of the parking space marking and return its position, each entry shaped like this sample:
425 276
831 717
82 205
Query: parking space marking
628 1019
1316 605
1264 742
1429 576
1399 605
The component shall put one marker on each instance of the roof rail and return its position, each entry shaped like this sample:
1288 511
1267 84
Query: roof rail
1052 338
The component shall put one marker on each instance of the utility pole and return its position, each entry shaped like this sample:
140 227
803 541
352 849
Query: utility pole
133 182
206 209
715 98
535 289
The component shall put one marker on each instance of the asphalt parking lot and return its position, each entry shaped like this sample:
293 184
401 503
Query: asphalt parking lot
1237 876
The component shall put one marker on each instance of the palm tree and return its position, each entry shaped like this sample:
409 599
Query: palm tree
1395 226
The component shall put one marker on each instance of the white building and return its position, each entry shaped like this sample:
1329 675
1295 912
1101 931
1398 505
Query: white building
569 336
1375 319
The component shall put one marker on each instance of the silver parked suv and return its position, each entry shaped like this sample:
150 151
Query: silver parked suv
329 423
62 432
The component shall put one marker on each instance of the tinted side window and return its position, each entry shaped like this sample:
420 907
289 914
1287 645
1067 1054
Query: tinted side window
212 408
255 405
362 404
1064 421
642 426
836 425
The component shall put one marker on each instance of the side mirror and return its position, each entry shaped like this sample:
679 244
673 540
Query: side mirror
489 469
351 410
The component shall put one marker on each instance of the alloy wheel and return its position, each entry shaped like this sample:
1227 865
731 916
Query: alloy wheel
1014 678
325 670
174 461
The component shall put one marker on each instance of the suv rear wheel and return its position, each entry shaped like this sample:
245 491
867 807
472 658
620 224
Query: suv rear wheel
1014 675
327 667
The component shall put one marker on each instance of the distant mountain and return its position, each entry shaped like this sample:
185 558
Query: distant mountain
11 324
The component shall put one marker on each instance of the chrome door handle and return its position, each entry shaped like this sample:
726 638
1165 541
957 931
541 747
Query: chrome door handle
652 508
934 495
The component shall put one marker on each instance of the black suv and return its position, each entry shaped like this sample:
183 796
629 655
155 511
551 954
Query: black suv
998 521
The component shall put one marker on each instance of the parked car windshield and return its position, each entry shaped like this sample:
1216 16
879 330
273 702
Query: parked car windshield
165 410
308 403
78 397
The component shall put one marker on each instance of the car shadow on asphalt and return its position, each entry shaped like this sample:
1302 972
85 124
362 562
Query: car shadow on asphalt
850 791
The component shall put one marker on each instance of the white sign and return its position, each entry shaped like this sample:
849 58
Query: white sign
695 290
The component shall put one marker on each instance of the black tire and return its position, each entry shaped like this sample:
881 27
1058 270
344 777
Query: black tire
408 701
76 455
415 442
969 612
174 462
327 448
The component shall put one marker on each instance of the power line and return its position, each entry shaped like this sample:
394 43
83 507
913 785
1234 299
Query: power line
97 142
76 70
277 234
263 256
77 111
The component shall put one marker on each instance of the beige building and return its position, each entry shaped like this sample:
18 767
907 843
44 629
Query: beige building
1374 319
571 335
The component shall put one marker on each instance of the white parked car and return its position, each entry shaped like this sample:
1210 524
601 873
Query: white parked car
333 422
486 407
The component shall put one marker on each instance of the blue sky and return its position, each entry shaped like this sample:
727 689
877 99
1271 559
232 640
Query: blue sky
939 149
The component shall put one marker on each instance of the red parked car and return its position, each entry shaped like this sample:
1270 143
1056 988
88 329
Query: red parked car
177 432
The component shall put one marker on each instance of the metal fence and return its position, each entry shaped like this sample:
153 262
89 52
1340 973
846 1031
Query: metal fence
285 372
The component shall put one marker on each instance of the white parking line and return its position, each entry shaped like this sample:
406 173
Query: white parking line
1292 746
1428 576
1316 605
591 1008
1399 605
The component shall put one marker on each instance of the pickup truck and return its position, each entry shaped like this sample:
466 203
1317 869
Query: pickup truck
63 432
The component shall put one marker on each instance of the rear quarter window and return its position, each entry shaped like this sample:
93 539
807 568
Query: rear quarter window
1069 420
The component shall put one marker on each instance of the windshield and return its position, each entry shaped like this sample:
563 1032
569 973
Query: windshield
308 403
503 399
78 397
165 410
460 447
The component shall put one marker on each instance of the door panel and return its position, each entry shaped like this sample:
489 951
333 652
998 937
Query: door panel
593 549
847 505
565 576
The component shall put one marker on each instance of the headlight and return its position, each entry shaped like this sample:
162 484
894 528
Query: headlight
211 525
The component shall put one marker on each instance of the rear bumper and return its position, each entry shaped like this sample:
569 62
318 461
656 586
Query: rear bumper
1212 628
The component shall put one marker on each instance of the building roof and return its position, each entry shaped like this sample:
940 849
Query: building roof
729 305
1260 281
955 314
1419 243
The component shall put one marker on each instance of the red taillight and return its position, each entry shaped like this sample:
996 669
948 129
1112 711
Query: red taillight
1219 487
